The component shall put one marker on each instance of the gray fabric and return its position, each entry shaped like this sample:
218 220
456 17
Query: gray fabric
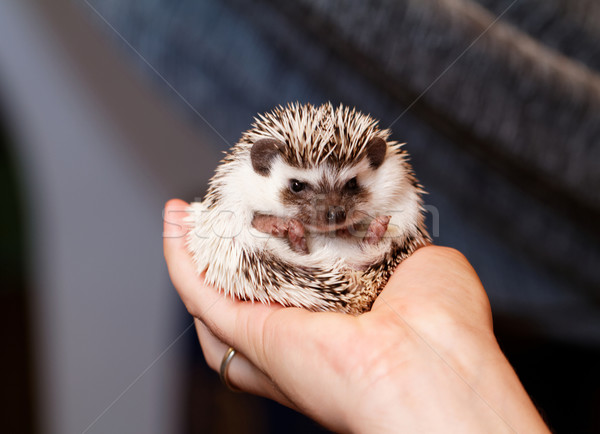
503 125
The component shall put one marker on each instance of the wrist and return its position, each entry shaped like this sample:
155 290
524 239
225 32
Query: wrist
493 390
493 385
470 387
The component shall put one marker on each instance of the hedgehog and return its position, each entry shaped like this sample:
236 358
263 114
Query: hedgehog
314 207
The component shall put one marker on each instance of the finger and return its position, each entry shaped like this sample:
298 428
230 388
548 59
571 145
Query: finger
197 297
242 374
240 323
263 333
174 215
432 280
200 299
181 268
431 269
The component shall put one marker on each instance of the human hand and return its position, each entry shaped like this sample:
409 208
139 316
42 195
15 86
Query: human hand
424 358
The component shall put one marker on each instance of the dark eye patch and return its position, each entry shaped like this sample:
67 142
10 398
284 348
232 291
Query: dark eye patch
352 184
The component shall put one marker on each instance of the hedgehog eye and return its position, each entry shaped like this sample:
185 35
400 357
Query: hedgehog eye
297 186
352 184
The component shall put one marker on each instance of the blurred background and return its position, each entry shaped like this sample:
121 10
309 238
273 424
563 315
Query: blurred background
109 108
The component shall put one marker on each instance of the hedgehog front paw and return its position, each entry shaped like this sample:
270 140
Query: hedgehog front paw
377 229
291 229
269 224
296 235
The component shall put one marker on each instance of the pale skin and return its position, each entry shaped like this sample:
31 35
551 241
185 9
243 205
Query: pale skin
424 359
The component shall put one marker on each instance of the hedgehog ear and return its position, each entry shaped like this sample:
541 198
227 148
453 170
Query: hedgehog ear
376 149
262 154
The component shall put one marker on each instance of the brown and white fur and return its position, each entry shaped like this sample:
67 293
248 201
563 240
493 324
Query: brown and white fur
314 207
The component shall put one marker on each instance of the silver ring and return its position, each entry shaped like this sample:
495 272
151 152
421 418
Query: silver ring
227 358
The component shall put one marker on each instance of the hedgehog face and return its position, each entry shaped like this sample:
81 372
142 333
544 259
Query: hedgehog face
326 204
327 197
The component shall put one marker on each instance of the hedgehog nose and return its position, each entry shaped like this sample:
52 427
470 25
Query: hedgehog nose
336 215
